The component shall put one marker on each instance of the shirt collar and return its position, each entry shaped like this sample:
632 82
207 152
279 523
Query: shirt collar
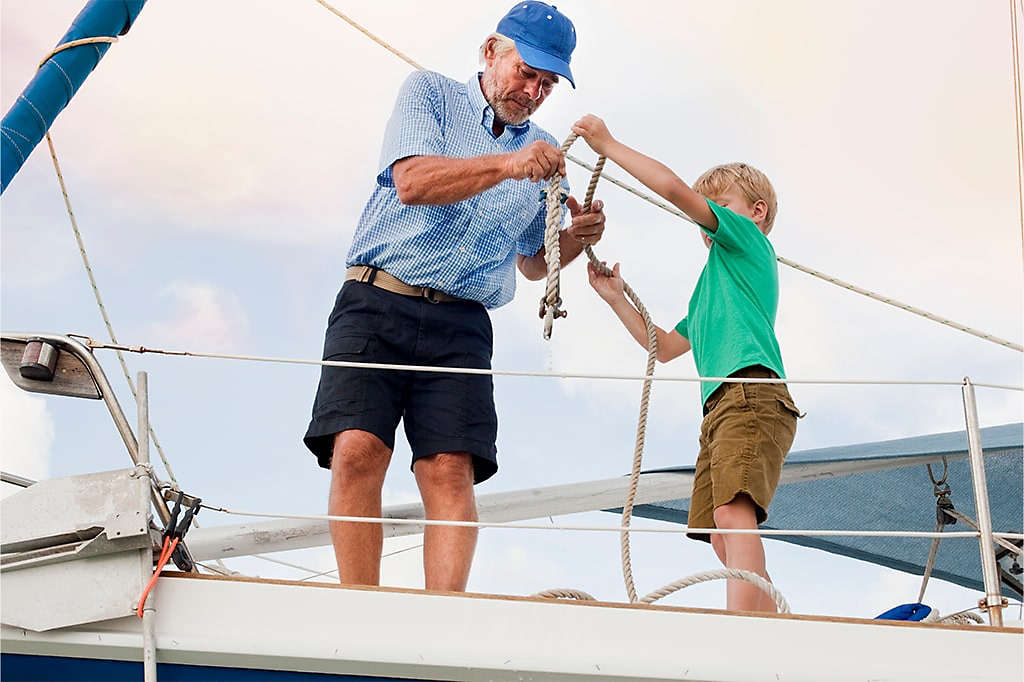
485 112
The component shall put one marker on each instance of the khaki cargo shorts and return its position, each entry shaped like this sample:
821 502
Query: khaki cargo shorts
747 431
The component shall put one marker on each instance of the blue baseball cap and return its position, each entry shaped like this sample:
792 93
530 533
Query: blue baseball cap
544 36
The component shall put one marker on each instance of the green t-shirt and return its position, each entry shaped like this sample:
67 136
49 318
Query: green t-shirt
731 318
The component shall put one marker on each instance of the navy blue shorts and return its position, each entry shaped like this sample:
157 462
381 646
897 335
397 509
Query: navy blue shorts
441 412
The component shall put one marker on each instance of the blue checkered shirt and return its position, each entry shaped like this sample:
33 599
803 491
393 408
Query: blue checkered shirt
466 249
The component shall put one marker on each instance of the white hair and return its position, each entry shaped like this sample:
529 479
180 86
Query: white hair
502 44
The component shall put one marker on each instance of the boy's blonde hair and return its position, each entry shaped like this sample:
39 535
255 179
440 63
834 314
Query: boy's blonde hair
753 183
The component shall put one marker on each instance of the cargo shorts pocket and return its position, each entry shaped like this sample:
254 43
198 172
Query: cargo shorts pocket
784 431
789 406
344 347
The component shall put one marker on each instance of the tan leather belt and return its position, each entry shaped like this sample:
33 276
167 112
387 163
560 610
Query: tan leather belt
381 279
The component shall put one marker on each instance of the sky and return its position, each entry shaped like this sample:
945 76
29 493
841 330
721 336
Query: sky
219 157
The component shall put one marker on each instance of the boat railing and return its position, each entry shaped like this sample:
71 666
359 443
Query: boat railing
66 365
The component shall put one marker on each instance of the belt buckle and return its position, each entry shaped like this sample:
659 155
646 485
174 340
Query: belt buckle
431 295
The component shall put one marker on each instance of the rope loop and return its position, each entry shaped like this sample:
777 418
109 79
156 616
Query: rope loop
75 43
721 574
554 197
564 593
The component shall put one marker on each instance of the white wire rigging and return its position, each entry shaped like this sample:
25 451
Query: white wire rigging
531 373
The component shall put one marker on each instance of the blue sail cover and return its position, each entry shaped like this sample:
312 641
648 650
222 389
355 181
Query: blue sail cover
899 497
53 86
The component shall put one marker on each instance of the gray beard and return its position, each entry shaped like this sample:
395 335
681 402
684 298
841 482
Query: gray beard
501 111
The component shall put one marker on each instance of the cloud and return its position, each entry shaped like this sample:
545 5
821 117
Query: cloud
26 434
202 316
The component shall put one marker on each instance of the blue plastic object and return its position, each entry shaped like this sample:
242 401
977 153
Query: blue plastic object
906 612
53 86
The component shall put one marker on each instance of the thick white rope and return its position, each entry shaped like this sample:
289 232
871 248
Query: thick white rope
962 618
721 574
550 309
565 593
92 343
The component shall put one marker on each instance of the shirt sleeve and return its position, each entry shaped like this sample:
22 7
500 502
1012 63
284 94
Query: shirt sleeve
684 328
414 128
532 238
735 232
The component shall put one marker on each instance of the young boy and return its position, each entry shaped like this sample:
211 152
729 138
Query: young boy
748 427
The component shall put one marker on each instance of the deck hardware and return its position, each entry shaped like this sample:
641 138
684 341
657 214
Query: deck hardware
39 360
175 529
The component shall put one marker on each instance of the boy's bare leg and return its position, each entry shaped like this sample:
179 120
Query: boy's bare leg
358 465
744 552
767 603
718 544
445 481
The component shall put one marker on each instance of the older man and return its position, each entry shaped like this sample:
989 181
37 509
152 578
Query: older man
456 208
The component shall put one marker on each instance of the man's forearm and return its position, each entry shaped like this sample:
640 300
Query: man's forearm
535 267
568 248
439 180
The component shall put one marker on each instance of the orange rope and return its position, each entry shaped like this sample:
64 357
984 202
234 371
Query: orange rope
165 556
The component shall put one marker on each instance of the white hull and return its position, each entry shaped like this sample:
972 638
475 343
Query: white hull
326 628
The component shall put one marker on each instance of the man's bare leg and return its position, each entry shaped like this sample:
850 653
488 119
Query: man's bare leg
358 465
744 552
445 481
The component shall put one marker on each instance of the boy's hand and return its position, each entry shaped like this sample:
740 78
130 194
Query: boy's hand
595 132
588 227
610 288
537 161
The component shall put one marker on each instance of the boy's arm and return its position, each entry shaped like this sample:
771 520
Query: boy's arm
670 344
652 173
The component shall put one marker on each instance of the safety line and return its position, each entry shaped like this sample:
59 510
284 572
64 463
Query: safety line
681 529
530 373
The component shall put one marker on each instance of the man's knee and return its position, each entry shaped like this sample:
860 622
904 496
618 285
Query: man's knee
359 455
741 512
449 471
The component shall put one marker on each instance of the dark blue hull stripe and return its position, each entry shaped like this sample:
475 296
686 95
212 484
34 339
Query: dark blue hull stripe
28 668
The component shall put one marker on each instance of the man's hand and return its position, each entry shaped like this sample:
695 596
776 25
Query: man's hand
595 132
537 161
610 288
586 228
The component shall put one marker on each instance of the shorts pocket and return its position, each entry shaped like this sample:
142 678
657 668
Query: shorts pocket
784 428
337 348
789 406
